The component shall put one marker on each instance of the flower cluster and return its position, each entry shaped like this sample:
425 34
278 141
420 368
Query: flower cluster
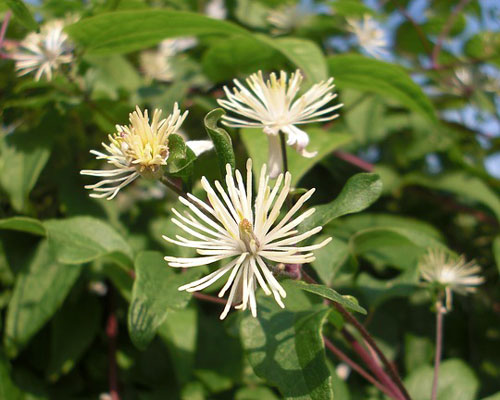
450 273
244 232
369 35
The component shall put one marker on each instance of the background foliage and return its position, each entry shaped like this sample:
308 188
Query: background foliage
86 299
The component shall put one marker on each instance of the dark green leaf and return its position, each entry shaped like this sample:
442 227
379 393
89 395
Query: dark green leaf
23 161
180 158
456 382
73 330
22 13
348 302
79 240
8 390
496 251
286 349
23 224
222 141
40 289
390 80
359 192
329 259
154 293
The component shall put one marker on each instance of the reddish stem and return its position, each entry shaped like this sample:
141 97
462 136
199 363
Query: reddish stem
207 297
356 367
371 362
354 160
3 29
439 345
112 334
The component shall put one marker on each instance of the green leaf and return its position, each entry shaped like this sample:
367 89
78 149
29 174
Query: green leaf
23 159
22 13
460 184
348 302
457 381
179 332
127 31
39 291
496 251
304 53
154 293
369 75
8 390
23 224
359 192
180 158
395 246
79 240
322 141
222 141
73 330
329 259
286 349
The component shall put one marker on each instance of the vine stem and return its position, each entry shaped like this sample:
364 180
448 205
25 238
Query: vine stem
446 29
356 367
3 30
367 337
112 334
283 152
171 185
440 310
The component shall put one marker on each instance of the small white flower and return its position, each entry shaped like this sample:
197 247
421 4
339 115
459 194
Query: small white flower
157 64
370 37
450 273
232 226
286 18
44 52
271 105
138 149
216 9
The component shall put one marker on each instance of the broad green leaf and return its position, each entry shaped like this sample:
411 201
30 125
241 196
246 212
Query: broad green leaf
419 351
348 302
329 259
127 31
180 158
22 161
154 293
23 224
286 349
255 392
39 291
237 56
79 240
395 246
460 184
496 251
360 191
457 381
322 141
179 332
73 330
222 141
22 13
390 80
8 390
305 54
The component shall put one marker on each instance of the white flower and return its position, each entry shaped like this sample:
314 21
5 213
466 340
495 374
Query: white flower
286 18
138 149
231 226
450 273
370 37
44 52
216 9
157 64
271 105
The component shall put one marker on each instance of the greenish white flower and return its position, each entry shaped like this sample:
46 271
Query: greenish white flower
450 273
245 235
272 105
369 35
140 148
44 52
